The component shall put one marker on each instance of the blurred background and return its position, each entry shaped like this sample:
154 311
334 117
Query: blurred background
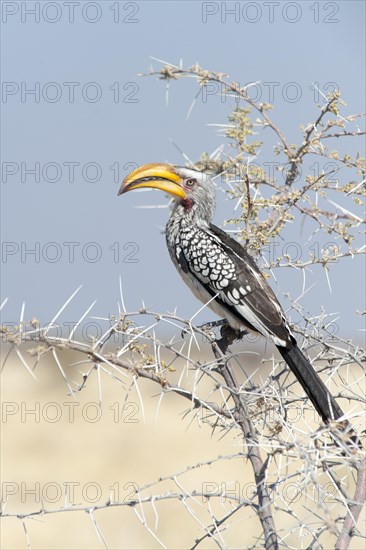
59 450
76 118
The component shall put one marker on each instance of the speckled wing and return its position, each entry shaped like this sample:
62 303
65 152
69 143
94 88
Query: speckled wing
228 272
257 299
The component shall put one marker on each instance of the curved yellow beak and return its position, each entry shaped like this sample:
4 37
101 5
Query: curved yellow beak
156 176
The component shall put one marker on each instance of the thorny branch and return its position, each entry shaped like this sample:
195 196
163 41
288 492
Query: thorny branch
316 186
220 348
246 413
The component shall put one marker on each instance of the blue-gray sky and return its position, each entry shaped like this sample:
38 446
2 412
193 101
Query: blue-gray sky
93 118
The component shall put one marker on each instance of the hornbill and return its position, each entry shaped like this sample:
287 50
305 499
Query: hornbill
222 274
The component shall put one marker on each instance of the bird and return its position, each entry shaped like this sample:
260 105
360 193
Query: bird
222 274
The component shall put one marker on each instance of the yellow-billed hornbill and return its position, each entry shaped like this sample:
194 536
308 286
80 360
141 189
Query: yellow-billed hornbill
222 274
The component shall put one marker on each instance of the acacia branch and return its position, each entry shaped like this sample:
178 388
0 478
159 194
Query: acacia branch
172 72
111 359
355 508
303 149
220 348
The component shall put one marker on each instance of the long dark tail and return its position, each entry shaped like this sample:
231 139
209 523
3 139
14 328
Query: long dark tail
323 401
316 390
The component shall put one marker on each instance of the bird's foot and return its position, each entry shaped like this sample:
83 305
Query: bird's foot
229 335
207 327
212 324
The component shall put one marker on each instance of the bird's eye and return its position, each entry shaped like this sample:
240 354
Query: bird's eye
190 183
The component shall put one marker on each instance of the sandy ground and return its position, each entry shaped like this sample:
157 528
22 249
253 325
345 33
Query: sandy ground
56 450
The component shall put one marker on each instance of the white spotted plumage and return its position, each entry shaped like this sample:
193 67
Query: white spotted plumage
209 270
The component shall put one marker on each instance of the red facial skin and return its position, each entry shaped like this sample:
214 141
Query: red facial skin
188 202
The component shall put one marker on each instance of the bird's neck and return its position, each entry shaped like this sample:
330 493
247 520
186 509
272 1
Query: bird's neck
183 218
181 221
194 214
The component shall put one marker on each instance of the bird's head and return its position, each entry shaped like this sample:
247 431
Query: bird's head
193 190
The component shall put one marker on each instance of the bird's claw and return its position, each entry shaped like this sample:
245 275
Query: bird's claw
212 324
207 328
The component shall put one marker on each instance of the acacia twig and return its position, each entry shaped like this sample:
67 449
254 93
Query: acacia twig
355 508
220 348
